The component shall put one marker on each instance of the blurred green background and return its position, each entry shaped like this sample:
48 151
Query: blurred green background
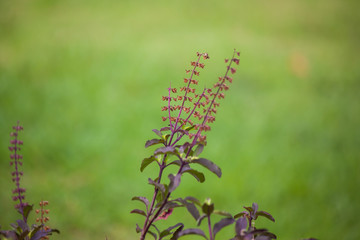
85 78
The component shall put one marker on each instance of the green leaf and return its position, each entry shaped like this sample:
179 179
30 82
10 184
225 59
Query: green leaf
189 128
146 162
209 165
241 214
26 210
196 174
167 232
153 142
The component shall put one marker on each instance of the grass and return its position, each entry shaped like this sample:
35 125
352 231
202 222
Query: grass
86 78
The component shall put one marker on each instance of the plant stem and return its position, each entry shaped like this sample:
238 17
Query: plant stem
209 226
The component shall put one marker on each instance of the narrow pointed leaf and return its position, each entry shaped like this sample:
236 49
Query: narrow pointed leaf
196 174
255 208
157 132
142 199
160 186
153 142
175 226
209 165
194 200
153 234
265 214
165 150
174 182
165 129
192 231
191 209
240 214
138 211
223 213
198 222
146 162
198 150
221 224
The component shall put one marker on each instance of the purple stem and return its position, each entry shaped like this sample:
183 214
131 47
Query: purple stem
209 226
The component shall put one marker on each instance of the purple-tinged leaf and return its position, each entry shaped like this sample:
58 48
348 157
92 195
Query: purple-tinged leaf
138 211
223 213
24 227
183 147
209 165
176 162
183 132
158 231
34 232
255 208
191 208
153 234
138 229
196 174
241 225
157 132
153 142
159 186
198 222
174 182
165 150
175 234
265 214
165 129
40 234
192 231
142 199
261 237
269 235
221 224
146 162
175 226
193 200
171 204
198 150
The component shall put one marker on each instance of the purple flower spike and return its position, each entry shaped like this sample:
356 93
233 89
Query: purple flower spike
19 193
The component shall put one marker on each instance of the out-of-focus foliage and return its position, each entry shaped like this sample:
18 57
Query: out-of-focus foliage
85 78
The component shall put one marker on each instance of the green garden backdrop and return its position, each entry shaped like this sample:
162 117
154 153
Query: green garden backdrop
85 79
